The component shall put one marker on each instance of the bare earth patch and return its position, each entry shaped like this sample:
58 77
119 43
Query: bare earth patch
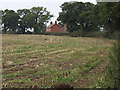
44 61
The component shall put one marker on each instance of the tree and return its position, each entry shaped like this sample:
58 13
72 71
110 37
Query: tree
22 23
10 20
41 17
110 16
35 17
78 16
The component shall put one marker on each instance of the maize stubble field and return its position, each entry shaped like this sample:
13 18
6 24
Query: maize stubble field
42 61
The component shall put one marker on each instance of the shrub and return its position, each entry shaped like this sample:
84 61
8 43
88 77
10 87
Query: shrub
113 69
115 35
96 34
56 33
79 33
82 33
11 31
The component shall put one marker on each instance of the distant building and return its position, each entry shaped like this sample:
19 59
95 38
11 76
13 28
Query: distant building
54 27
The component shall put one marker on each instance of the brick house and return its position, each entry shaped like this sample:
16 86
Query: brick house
54 27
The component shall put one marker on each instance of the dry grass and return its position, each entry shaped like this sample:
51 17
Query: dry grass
44 61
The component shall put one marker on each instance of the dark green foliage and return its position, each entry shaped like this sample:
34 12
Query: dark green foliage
110 16
55 33
24 19
35 18
115 35
40 17
81 33
96 34
113 70
78 15
86 19
10 20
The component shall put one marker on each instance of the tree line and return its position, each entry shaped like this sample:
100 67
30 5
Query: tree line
86 17
80 18
23 19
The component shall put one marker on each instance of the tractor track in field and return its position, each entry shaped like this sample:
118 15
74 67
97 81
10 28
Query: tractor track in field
36 61
47 60
37 57
86 79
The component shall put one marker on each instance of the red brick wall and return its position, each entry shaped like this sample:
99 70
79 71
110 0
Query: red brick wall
56 28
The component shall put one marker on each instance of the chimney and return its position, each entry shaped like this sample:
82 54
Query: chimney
51 22
55 22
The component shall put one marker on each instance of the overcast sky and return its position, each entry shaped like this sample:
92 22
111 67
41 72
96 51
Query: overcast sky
52 5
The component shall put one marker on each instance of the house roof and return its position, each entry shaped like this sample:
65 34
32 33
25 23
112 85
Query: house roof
51 25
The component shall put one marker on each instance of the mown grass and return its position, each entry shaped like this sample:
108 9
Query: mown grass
43 61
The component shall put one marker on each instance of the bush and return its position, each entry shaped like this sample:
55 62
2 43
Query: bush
115 35
11 32
96 34
55 33
79 33
113 70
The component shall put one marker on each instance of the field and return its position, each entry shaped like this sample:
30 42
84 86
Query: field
44 61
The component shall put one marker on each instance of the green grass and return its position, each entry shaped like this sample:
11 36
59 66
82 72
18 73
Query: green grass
44 61
22 80
61 79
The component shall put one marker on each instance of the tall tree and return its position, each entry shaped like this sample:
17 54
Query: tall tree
77 16
10 20
41 17
22 23
110 16
35 17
